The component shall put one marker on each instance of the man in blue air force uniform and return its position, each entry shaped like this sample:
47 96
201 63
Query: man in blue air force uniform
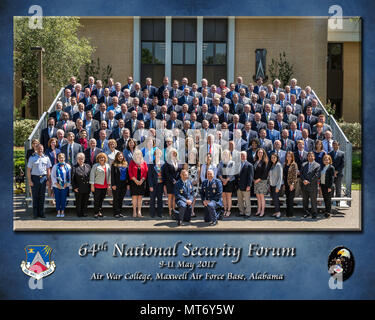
184 197
211 194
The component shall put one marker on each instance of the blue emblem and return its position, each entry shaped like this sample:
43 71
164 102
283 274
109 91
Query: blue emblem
38 262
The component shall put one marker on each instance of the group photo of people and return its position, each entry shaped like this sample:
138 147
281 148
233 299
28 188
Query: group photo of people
169 149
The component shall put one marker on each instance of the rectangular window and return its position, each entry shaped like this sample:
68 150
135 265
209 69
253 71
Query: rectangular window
214 53
190 52
178 53
153 53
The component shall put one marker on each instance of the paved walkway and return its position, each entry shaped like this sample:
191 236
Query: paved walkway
344 220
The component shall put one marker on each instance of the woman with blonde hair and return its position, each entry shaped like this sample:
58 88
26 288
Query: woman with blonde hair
119 179
226 174
138 171
100 180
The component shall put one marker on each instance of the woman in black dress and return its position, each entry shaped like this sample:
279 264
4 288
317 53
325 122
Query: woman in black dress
137 175
171 173
81 184
260 180
326 183
119 179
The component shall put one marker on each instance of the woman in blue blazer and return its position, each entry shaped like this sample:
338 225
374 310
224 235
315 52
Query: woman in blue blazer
129 150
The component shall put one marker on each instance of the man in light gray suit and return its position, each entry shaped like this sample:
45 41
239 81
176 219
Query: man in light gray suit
71 149
310 174
275 108
266 144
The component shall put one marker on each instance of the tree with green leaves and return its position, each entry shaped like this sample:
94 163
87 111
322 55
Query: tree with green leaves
65 52
281 69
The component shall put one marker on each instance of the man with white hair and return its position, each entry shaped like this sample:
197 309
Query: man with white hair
210 147
294 89
117 92
78 94
276 86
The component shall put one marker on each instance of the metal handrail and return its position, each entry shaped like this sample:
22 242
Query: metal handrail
41 124
345 145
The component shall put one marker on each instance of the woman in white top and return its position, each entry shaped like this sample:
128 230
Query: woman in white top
61 179
111 153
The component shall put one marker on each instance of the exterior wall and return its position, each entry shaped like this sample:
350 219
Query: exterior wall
351 108
113 39
303 40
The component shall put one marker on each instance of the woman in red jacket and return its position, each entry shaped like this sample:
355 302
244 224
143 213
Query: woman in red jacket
137 175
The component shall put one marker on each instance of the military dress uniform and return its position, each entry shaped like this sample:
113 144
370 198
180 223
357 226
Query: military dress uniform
212 191
39 166
184 191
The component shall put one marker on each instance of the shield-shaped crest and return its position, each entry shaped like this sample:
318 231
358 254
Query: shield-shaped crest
38 262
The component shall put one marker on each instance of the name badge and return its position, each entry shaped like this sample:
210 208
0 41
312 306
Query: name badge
181 191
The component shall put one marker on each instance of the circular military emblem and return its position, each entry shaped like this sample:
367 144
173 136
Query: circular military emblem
341 260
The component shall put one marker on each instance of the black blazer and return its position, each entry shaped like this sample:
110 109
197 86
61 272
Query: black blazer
44 137
250 157
329 177
81 178
245 177
170 175
298 159
339 161
261 171
115 176
87 153
152 175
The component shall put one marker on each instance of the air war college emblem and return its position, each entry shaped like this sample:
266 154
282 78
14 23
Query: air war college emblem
38 262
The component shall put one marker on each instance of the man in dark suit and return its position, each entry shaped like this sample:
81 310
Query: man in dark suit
186 98
244 180
137 93
289 116
246 115
117 130
132 123
300 156
226 116
129 84
71 149
310 118
338 161
248 135
194 124
91 152
104 127
152 122
236 123
257 124
105 98
101 114
164 86
98 91
174 106
235 106
272 133
254 105
184 194
301 124
308 143
310 174
268 115
204 114
66 124
80 113
90 124
151 89
173 122
184 115
57 114
123 141
48 133
286 143
205 99
265 143
280 125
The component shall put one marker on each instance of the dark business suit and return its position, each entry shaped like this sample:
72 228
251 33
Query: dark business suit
226 117
77 148
95 126
44 136
338 161
81 181
87 153
244 180
170 176
310 191
157 189
121 187
328 184
183 192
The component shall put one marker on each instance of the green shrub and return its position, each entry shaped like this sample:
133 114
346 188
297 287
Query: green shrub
353 132
18 161
22 129
356 166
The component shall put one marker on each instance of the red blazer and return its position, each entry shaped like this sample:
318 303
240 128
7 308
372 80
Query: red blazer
133 168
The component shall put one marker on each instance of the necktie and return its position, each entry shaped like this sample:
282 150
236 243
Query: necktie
92 155
70 153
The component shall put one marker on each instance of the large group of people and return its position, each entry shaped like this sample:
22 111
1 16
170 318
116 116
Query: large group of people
186 141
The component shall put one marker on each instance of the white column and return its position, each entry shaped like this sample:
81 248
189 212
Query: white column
168 47
231 49
199 49
137 49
